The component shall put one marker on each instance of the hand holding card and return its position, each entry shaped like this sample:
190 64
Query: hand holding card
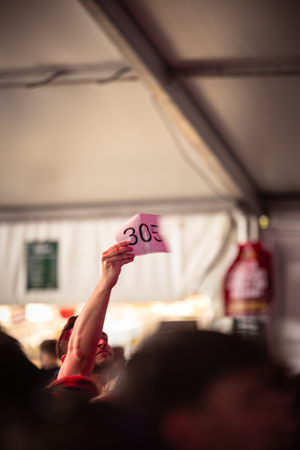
143 232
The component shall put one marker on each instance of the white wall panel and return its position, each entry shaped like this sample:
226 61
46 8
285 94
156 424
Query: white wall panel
195 264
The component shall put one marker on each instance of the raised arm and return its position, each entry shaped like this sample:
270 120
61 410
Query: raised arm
87 331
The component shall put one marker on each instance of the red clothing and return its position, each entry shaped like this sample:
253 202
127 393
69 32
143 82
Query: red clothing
81 386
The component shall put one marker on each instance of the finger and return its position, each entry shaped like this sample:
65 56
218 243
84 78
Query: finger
117 251
117 258
118 245
125 262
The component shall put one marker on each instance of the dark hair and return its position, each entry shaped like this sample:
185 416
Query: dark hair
19 376
63 340
49 346
175 368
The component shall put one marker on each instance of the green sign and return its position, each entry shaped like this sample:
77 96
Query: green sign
42 265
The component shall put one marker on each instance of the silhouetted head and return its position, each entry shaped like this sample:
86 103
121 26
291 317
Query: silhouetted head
18 376
48 354
202 390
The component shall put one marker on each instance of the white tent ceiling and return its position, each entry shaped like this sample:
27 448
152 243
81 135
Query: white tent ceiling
41 33
236 64
75 141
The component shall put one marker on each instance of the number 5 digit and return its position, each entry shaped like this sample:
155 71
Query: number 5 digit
154 231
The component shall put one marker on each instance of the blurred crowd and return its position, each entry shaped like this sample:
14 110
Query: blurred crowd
187 390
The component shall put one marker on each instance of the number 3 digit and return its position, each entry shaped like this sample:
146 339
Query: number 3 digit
132 234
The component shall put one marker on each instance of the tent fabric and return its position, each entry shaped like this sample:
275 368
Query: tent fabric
239 62
87 144
77 141
199 243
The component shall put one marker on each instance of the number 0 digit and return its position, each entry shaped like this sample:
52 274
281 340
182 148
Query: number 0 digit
141 232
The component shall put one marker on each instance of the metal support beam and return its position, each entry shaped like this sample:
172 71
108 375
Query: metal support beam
112 209
35 77
237 68
173 97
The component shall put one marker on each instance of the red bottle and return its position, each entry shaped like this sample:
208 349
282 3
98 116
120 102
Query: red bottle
248 282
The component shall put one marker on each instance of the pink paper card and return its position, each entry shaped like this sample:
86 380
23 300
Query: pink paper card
143 232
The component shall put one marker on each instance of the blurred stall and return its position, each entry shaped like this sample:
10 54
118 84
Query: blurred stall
39 293
126 323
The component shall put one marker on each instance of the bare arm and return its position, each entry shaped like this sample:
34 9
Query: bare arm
87 331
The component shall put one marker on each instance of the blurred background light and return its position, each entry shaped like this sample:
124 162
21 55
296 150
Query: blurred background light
263 222
4 315
38 313
113 326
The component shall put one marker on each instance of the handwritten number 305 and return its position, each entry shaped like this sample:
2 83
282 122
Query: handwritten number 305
143 227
